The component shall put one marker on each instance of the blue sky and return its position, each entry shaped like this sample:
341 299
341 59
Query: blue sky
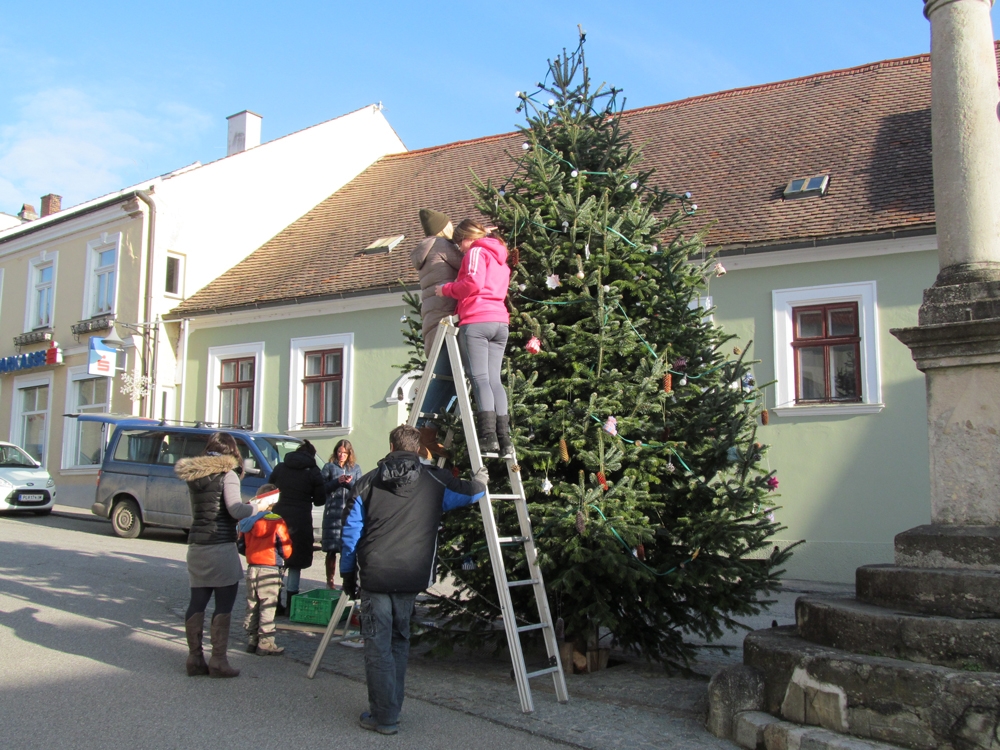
97 97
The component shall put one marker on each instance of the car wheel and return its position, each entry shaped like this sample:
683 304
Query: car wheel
42 512
125 519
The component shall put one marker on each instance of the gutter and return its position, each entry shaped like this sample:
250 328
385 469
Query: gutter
69 214
147 198
289 302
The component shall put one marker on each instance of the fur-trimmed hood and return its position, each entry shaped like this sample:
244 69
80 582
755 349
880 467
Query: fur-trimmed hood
190 469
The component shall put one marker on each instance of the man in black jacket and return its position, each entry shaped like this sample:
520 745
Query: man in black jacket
390 533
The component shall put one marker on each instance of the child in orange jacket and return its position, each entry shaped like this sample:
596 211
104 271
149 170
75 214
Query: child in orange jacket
268 545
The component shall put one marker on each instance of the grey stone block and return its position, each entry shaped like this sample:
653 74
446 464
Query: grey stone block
918 706
934 546
731 691
954 592
748 729
782 735
866 629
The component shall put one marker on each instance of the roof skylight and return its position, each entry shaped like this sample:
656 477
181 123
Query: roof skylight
383 245
803 187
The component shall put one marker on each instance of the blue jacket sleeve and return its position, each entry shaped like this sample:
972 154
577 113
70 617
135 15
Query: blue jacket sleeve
354 529
457 492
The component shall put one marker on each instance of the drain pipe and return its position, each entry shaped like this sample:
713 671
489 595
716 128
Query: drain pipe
148 404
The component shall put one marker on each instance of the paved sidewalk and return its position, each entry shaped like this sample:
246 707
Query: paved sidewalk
630 705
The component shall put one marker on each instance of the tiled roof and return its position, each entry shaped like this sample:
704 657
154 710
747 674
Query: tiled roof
867 127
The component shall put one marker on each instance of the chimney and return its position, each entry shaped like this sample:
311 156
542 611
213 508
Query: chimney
27 213
51 204
244 132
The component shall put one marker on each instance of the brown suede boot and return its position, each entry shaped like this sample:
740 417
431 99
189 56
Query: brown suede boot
429 441
218 665
193 629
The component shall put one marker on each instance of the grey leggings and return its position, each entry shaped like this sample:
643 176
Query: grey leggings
483 346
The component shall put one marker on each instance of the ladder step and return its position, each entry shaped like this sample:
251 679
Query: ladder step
430 415
513 539
528 582
499 496
435 376
540 672
490 455
536 626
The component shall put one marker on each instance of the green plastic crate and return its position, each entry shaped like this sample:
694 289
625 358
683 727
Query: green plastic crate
314 607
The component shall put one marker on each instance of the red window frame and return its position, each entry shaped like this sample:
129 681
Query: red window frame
320 379
236 386
827 341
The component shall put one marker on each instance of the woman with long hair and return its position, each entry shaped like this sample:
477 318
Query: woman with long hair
214 566
481 291
340 475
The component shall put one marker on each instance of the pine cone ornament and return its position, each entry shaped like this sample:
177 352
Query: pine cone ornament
515 257
603 480
563 450
737 351
581 522
640 552
764 417
668 383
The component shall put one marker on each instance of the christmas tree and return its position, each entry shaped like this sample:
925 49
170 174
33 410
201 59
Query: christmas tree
635 423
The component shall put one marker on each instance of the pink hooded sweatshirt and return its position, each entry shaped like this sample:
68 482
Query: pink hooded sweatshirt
481 286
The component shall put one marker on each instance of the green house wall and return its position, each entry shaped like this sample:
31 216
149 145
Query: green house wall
378 345
848 484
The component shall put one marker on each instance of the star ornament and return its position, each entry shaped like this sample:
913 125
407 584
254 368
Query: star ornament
553 281
772 483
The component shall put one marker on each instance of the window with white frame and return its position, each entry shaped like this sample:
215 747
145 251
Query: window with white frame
174 282
236 391
30 415
235 385
826 350
42 294
321 384
84 442
101 281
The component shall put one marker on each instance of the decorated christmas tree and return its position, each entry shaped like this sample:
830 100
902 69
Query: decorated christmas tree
635 418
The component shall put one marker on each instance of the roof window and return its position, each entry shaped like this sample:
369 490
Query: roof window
383 245
803 187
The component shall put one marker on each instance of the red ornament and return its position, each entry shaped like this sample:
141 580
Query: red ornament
640 552
772 483
668 383
603 480
533 346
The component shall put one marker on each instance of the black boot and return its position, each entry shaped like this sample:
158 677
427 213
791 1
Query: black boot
486 426
503 436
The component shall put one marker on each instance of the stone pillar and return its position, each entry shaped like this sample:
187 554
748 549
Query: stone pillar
966 139
957 342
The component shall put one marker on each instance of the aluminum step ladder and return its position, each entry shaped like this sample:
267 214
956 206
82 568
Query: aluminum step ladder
442 373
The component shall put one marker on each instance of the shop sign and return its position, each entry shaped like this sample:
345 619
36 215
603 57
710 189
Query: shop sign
102 359
30 360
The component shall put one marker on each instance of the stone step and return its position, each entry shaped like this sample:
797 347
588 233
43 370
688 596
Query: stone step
756 730
956 592
862 628
975 547
917 706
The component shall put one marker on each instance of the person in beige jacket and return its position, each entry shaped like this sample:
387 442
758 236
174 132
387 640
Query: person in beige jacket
437 261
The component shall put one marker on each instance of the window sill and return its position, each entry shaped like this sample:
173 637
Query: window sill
827 410
318 432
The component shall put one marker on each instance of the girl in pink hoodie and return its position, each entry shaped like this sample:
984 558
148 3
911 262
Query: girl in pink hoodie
481 291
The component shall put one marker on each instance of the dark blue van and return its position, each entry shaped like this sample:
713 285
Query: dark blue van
137 486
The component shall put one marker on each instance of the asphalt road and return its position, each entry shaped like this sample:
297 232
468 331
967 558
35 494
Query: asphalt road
92 656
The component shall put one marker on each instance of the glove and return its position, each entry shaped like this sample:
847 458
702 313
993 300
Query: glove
482 476
351 584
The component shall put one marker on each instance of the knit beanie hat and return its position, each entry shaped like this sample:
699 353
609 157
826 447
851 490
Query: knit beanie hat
432 221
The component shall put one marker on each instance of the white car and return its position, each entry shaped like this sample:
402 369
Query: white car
24 484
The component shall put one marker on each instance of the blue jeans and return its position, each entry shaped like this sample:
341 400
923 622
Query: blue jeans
385 626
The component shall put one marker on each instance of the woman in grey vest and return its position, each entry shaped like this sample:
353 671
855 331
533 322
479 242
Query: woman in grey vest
213 563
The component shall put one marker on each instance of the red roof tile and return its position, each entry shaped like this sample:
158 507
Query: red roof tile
866 127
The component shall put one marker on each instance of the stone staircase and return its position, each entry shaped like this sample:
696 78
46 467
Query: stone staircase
912 662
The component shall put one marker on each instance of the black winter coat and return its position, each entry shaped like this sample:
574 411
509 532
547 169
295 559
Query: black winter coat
211 522
301 484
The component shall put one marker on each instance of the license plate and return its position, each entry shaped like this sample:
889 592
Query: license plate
28 498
